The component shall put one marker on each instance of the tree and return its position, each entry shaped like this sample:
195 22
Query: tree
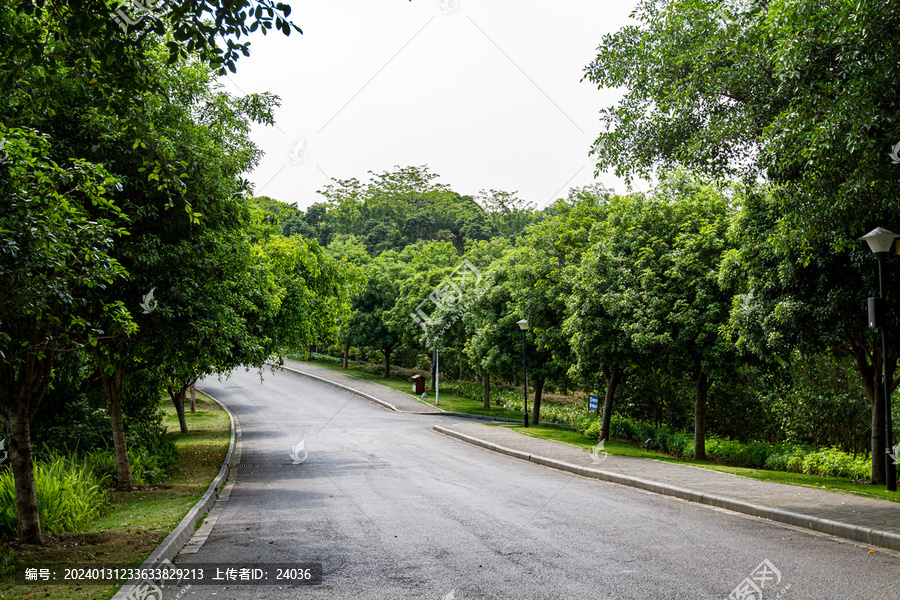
798 93
700 90
106 39
369 321
188 225
666 251
354 261
427 298
397 208
506 213
796 300
57 61
493 339
595 328
53 255
540 280
801 94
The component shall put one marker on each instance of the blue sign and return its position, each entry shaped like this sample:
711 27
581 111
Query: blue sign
593 402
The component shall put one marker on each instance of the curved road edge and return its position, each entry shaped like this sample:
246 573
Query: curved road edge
434 410
178 537
347 388
867 535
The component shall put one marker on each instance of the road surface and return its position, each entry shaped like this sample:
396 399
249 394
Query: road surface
392 509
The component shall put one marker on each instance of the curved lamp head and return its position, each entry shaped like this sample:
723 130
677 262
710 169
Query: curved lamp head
880 239
523 324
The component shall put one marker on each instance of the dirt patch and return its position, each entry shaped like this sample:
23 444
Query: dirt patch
110 546
151 488
561 399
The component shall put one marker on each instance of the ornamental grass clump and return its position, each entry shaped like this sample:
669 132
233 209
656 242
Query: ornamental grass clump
69 495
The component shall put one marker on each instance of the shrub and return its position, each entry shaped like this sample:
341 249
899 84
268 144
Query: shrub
830 462
69 495
787 459
325 358
150 440
150 461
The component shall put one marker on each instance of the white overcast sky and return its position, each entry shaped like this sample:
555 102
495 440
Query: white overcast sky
487 93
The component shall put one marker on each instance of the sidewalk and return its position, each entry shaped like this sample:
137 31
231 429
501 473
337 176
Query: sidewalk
385 396
867 520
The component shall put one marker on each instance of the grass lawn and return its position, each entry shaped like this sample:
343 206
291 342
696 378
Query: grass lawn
138 521
833 484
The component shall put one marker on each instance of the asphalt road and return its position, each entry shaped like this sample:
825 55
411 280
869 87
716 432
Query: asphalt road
394 510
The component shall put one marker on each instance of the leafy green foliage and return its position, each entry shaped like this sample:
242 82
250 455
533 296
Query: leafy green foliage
70 496
826 462
401 207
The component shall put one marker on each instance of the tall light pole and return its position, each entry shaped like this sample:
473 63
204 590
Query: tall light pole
523 325
880 241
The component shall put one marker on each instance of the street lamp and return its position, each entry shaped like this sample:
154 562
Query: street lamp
880 241
523 325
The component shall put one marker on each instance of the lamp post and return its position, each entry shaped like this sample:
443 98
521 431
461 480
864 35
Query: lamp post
880 241
523 325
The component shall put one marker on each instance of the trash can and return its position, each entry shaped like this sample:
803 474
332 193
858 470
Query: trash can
418 385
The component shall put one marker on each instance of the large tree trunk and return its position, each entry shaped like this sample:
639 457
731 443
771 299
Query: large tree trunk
346 353
387 362
113 383
871 375
21 392
177 394
487 390
18 432
612 380
536 402
702 382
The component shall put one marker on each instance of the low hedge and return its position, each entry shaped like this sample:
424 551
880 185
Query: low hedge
826 462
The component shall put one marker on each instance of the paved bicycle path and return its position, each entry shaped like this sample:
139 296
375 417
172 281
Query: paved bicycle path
867 520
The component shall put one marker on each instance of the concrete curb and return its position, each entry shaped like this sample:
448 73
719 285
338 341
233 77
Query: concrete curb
442 413
867 535
491 419
346 388
183 532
